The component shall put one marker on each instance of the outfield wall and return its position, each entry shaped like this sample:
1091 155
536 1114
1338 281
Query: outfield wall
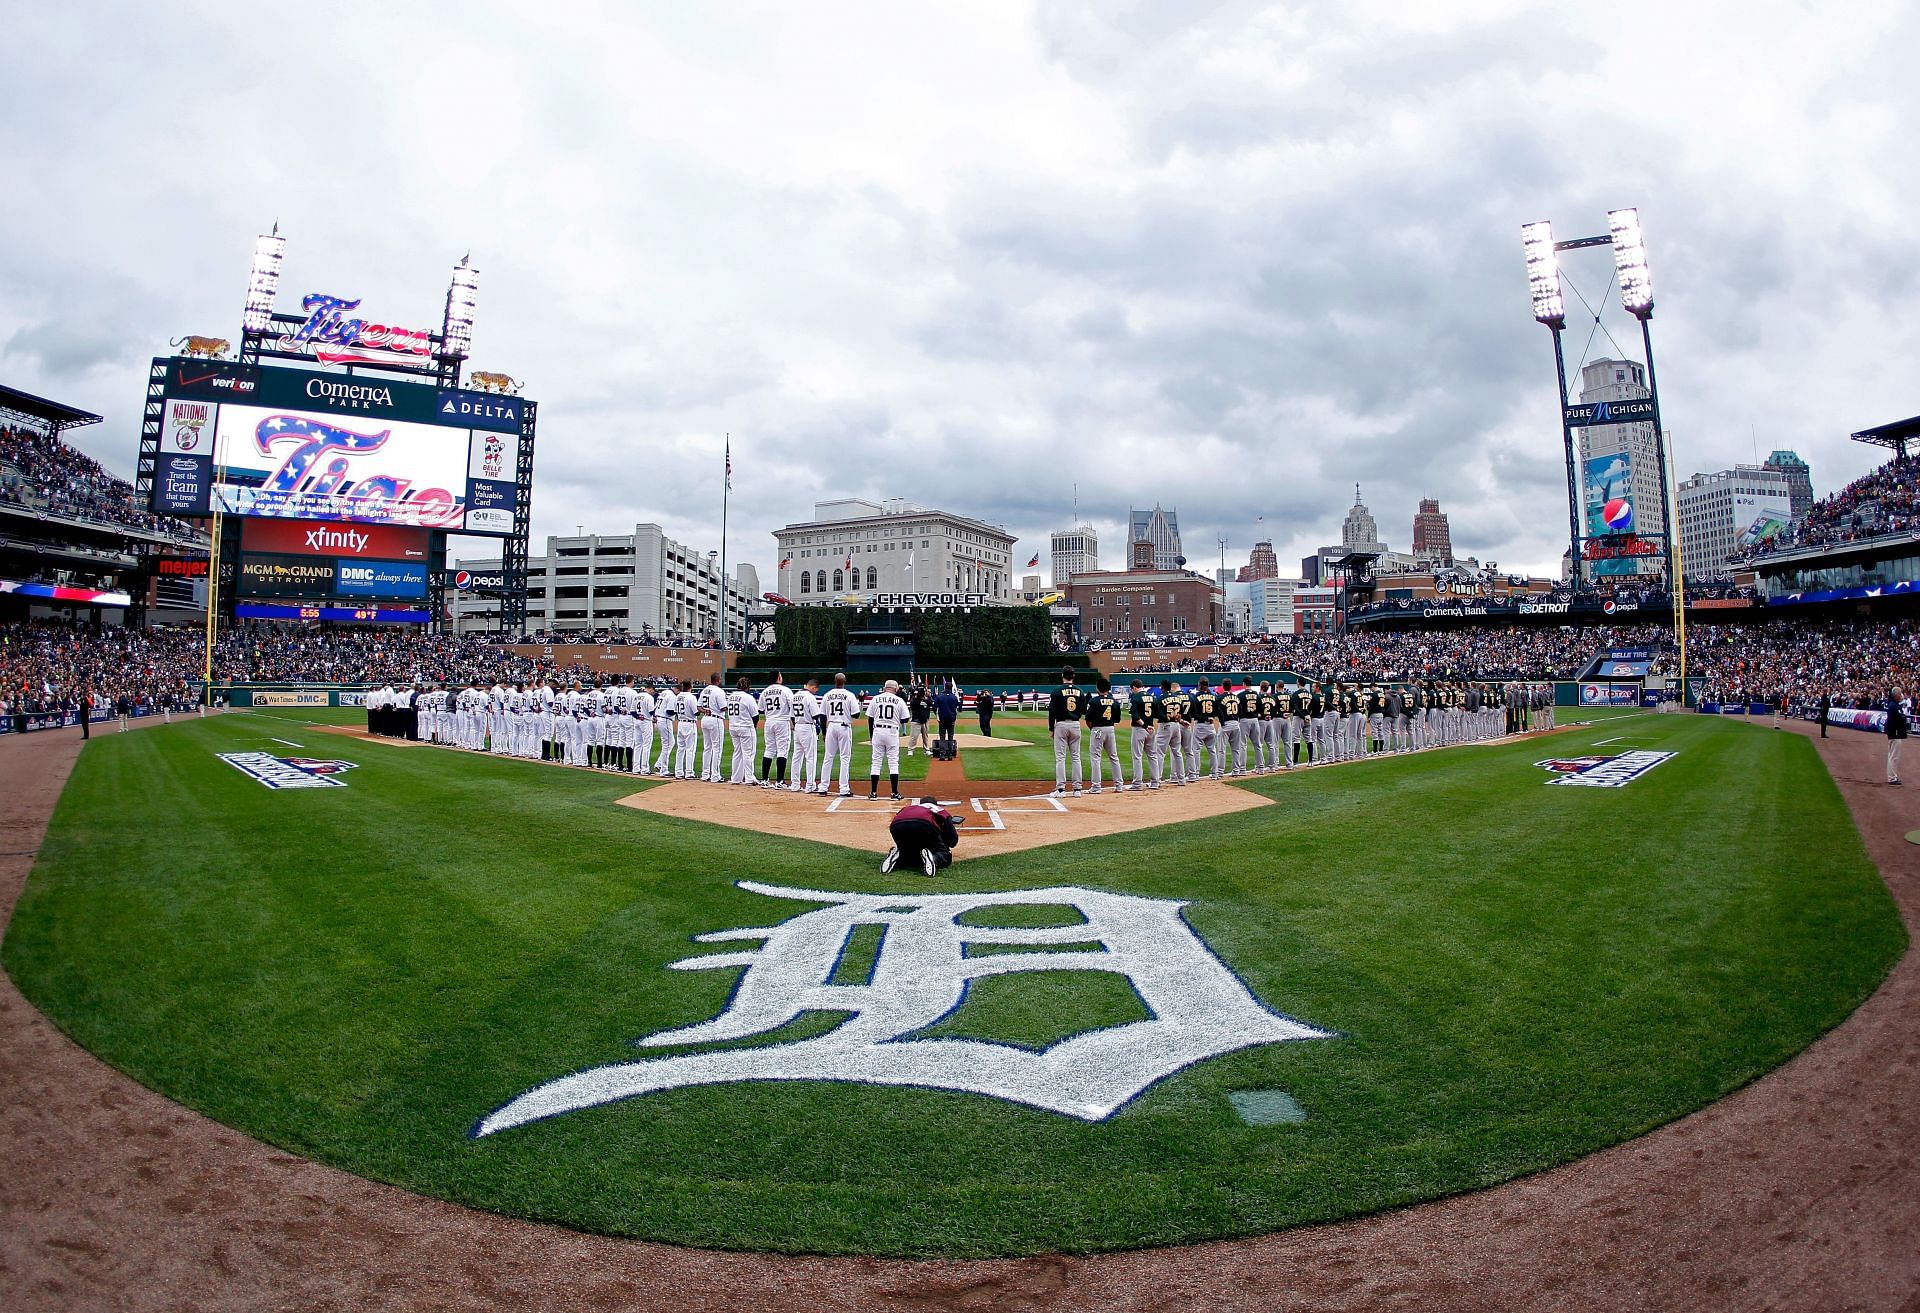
694 663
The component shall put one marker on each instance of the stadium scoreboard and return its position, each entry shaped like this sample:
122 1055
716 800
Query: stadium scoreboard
270 443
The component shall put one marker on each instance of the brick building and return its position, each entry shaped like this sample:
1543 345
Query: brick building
1131 604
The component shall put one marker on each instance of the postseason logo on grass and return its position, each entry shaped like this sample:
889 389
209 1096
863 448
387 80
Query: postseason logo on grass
1613 770
288 772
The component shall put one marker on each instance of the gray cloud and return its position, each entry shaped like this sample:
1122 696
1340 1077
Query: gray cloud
1232 257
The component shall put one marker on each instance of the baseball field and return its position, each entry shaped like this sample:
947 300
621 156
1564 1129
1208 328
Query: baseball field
438 968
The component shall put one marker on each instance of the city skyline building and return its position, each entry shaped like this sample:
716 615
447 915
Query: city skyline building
1718 510
1626 380
1432 534
639 582
1073 551
1161 527
1359 532
1799 480
1261 564
853 548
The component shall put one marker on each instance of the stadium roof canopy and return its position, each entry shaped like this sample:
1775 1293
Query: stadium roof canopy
1894 435
49 414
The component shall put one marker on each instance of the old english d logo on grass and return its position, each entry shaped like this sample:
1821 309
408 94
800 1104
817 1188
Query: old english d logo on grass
1612 770
921 973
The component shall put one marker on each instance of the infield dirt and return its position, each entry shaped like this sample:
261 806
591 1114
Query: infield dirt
1001 816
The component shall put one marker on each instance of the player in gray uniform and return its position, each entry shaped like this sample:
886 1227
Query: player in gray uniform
1140 722
1064 711
1253 738
1102 713
1169 757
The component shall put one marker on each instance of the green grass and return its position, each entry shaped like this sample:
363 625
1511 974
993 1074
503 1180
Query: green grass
1517 975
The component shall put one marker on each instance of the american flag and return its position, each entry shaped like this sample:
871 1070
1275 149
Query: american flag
729 462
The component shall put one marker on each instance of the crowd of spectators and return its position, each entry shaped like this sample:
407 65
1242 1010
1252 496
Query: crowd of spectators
45 666
1854 662
1883 502
1557 653
48 667
40 472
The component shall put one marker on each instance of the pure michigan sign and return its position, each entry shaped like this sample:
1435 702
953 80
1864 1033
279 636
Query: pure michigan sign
482 980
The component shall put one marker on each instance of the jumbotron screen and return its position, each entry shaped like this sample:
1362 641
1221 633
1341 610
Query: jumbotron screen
289 444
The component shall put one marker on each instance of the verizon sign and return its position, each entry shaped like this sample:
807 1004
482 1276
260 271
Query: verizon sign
380 542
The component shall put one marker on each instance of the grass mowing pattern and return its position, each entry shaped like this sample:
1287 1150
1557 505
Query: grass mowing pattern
1519 975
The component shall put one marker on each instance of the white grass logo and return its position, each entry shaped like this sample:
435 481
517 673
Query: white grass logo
288 772
921 972
1611 770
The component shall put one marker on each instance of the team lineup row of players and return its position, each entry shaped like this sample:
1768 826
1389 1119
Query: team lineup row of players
1256 730
679 733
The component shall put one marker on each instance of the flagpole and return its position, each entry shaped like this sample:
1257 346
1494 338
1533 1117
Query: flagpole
726 490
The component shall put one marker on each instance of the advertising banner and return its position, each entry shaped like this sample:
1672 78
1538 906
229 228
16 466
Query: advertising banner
1760 517
490 506
1609 507
397 580
293 465
302 697
182 485
1609 412
356 615
293 444
286 576
64 593
1609 695
381 542
187 429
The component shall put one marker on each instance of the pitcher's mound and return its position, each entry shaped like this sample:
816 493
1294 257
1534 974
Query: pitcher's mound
989 741
1000 816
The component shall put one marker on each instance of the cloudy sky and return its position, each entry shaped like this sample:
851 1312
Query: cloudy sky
1228 257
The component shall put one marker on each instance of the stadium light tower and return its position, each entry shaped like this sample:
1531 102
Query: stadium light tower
462 296
1636 295
263 283
1550 309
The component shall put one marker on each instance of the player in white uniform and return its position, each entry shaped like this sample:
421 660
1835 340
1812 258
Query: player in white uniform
594 719
642 729
841 705
713 715
742 707
687 728
885 715
666 715
806 740
776 703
